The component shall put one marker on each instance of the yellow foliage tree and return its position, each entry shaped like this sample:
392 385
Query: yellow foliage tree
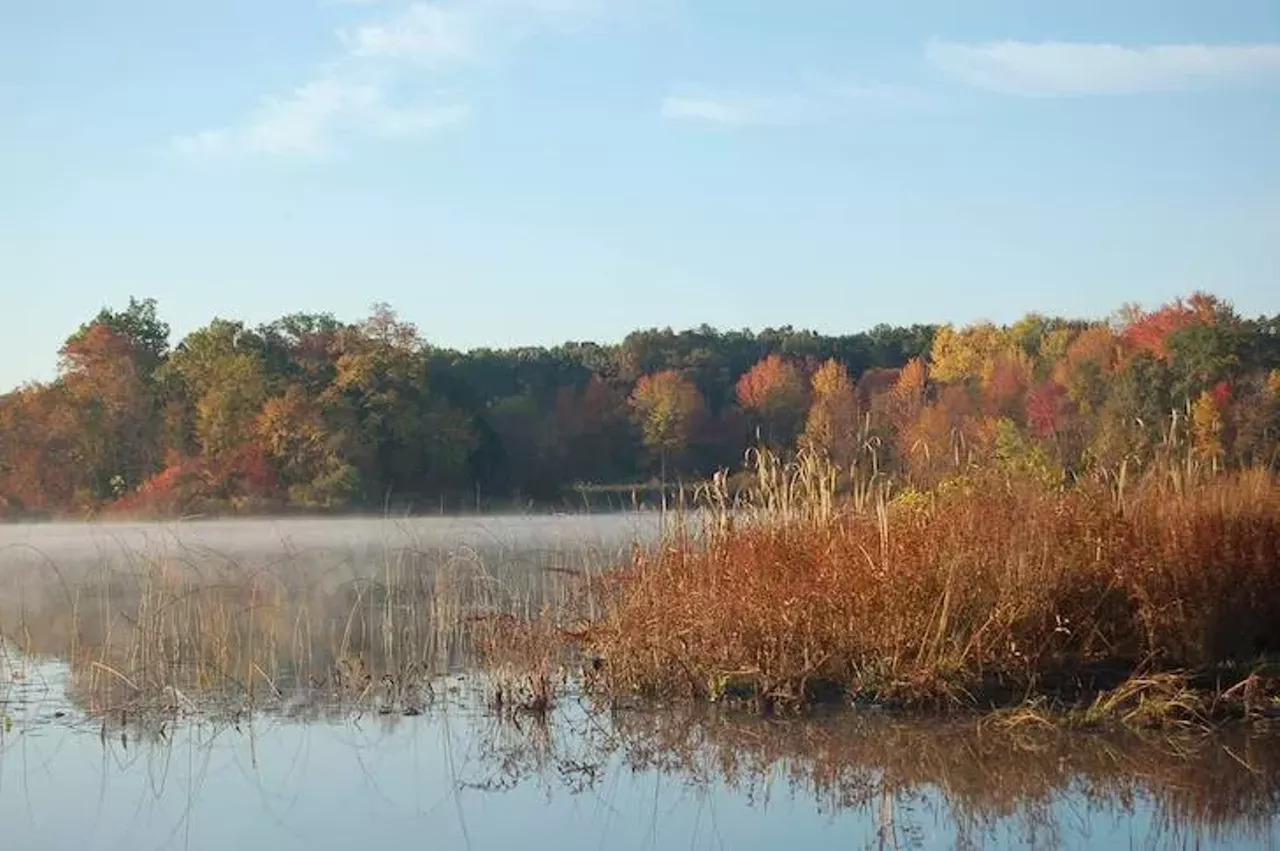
1206 429
967 353
832 424
668 408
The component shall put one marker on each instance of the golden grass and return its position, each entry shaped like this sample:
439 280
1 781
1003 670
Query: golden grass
166 635
983 591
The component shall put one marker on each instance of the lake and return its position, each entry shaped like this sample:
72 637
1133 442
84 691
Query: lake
271 760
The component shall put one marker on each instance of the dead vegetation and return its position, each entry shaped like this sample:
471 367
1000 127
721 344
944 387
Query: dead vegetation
167 635
983 592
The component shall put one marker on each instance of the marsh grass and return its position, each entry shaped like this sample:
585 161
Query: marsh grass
982 592
184 632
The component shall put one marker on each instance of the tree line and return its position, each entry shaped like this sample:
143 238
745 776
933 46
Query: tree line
312 412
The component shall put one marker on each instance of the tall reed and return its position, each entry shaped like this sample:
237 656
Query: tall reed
182 630
986 588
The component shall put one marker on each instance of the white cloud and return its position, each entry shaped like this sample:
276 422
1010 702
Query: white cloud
1078 68
704 109
456 30
866 94
424 29
742 110
392 47
306 122
821 99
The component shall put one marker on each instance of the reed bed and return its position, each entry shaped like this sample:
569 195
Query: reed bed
183 632
985 591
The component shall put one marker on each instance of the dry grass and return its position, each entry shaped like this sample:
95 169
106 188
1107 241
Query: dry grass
168 635
983 591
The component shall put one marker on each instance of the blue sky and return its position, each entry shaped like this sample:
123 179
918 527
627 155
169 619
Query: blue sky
530 171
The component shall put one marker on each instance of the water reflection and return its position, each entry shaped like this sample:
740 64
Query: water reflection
463 776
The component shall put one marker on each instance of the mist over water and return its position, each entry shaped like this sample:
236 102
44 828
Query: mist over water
364 543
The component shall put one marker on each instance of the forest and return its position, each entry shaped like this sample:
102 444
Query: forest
312 413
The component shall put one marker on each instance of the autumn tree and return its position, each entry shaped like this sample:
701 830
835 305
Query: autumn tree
1005 383
403 436
966 353
774 391
298 349
1087 362
1206 428
221 371
1137 407
668 408
40 466
95 432
593 425
139 324
1255 416
1150 331
102 371
895 398
1203 355
291 430
832 424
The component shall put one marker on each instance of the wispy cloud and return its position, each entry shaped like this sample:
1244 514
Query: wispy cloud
461 30
1078 68
818 100
422 30
741 110
307 122
400 49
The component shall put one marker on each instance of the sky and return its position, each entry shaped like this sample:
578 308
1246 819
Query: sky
512 172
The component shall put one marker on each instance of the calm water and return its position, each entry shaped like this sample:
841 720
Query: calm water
459 775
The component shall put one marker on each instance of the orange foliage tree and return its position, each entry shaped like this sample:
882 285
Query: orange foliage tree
1089 360
775 392
1005 383
115 436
